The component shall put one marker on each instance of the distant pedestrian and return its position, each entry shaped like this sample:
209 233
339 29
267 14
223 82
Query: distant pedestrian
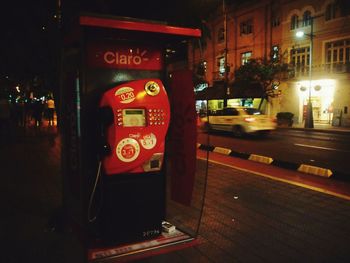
38 109
50 110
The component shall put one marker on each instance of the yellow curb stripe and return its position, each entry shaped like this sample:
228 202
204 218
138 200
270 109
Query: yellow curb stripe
260 159
222 150
313 188
310 169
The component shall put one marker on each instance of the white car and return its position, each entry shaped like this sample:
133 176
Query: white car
239 121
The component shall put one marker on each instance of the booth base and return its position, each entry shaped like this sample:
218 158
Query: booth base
165 243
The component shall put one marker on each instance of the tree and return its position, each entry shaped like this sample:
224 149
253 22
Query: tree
267 74
199 72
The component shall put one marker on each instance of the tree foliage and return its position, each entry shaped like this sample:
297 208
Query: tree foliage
268 74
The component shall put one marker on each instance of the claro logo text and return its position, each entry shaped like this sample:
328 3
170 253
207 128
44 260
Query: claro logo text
131 58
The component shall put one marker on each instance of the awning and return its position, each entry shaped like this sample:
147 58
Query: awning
211 93
218 91
246 90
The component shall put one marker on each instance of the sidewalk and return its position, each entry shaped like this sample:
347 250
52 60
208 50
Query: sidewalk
322 128
247 218
30 195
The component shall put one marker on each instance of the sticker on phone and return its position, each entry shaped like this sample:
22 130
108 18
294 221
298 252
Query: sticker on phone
125 95
148 141
128 150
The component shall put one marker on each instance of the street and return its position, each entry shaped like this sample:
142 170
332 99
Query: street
327 150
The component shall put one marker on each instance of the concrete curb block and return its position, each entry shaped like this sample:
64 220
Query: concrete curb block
304 168
310 169
260 159
221 150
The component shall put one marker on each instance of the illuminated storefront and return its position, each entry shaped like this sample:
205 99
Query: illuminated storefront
212 98
217 104
322 98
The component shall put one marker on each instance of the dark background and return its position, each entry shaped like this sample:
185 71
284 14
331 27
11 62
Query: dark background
30 29
31 33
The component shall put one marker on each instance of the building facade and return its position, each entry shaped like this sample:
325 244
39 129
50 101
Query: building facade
268 29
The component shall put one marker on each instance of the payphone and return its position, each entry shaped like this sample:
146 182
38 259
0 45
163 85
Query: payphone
141 115
134 125
122 133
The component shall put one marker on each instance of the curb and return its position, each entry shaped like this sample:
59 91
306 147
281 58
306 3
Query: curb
334 130
303 168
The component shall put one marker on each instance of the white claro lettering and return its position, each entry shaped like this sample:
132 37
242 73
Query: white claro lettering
117 58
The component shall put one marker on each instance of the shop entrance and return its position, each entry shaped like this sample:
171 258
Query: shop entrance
322 96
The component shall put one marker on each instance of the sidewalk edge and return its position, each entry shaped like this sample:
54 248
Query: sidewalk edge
299 167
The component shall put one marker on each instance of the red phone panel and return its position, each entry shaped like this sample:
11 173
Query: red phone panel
141 119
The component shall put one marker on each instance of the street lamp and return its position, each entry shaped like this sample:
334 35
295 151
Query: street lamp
309 120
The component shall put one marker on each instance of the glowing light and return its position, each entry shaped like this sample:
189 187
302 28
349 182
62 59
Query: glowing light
323 88
300 34
319 82
249 119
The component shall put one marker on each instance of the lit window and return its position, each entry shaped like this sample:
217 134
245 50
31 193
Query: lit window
337 55
245 57
294 22
221 65
300 60
275 53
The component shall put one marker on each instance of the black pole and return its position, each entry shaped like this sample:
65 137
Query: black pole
309 121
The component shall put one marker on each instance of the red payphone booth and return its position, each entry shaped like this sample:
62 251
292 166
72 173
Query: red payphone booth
128 127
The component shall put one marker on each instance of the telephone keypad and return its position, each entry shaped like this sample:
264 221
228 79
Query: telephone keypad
156 117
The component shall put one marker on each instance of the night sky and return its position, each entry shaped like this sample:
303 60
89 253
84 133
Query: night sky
25 30
29 28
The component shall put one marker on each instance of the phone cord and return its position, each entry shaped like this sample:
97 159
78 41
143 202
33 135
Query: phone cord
90 218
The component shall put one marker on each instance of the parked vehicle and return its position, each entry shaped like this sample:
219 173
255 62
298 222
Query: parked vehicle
239 121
